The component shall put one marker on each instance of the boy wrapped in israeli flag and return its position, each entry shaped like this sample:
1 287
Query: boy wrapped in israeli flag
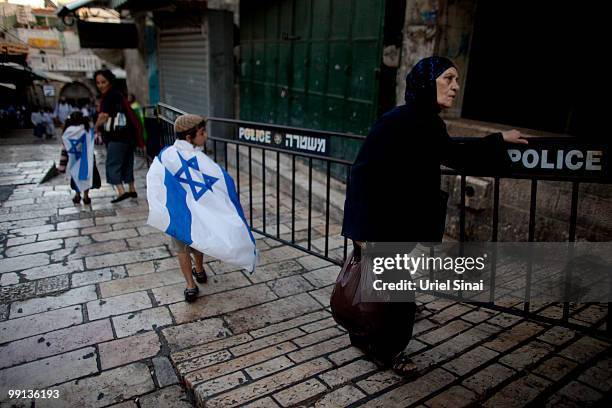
78 142
192 199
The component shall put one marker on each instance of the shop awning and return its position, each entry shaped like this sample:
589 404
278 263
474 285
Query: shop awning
75 5
52 76
19 75
22 72
107 35
17 68
13 48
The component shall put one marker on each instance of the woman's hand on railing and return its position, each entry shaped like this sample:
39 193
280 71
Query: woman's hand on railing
514 136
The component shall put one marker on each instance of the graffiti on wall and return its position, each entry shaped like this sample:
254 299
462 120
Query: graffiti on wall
422 12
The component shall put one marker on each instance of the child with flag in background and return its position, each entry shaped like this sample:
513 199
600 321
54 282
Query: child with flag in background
78 145
192 199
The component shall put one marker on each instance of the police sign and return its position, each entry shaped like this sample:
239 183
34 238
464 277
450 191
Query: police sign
560 158
318 144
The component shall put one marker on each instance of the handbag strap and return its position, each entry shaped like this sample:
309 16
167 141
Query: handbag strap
356 251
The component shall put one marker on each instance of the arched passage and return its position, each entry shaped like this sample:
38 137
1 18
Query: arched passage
77 93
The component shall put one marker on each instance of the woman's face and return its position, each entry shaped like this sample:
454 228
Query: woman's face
102 84
447 86
200 137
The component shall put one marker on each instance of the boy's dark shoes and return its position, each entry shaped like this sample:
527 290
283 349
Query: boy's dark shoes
121 198
199 276
191 294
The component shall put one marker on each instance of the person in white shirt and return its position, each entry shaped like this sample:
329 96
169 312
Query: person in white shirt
49 125
38 122
63 109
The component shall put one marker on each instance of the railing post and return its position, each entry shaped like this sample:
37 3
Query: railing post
494 237
532 219
571 239
462 210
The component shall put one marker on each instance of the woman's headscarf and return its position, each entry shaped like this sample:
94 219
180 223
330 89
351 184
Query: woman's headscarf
421 82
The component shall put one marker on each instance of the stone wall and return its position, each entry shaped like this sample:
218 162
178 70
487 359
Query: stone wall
553 206
135 60
436 27
420 34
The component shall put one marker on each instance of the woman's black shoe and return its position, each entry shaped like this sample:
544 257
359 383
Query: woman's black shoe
191 294
120 198
199 276
132 194
404 366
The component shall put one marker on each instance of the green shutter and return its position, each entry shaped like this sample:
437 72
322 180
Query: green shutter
312 64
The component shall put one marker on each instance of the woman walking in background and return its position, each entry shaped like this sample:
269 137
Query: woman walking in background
121 131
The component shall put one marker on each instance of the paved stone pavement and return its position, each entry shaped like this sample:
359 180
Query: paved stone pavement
91 305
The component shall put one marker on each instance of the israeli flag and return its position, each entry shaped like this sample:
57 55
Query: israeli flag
79 144
194 200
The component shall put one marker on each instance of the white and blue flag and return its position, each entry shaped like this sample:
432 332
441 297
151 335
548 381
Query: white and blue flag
194 200
79 144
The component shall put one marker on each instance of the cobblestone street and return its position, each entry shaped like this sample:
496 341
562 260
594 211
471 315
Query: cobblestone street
91 304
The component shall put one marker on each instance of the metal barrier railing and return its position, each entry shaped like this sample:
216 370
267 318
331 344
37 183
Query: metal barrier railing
242 150
220 149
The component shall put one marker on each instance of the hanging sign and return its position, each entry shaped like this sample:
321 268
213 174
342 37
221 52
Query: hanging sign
313 144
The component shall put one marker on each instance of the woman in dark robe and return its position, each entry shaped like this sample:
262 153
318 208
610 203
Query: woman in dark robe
394 187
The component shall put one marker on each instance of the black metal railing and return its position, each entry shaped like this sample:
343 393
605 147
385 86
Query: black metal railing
294 174
244 151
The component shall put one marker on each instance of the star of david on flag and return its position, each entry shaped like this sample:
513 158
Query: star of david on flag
75 147
194 200
79 144
184 175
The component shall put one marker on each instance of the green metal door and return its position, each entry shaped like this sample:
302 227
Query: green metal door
312 64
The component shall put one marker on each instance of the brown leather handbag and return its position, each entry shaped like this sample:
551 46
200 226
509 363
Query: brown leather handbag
382 328
348 308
